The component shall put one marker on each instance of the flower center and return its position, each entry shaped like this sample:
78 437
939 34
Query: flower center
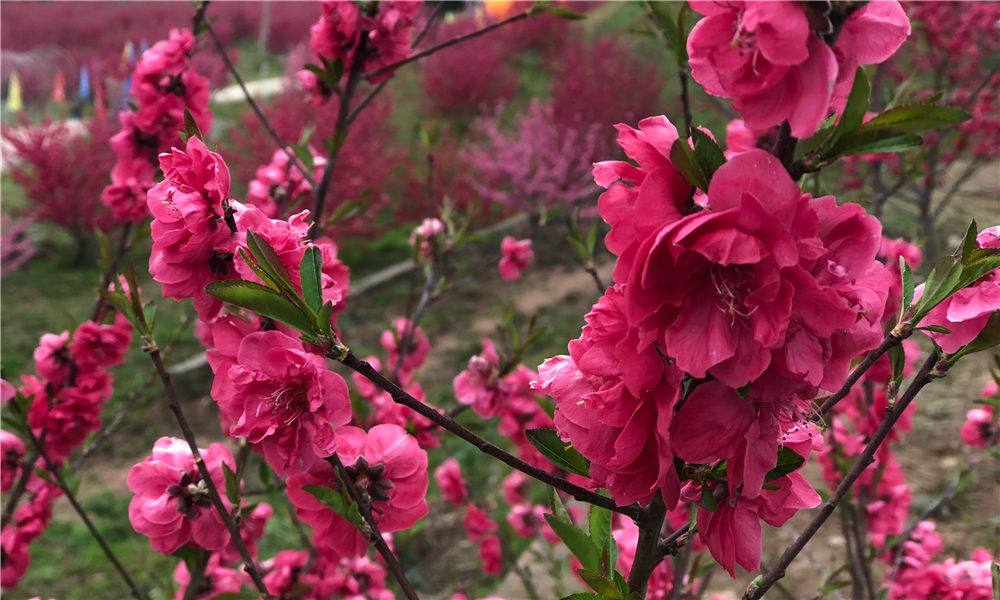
191 493
370 479
289 403
732 288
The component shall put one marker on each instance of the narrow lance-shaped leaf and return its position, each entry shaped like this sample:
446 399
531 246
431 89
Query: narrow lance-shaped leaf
232 484
576 541
310 276
337 502
788 461
268 260
600 584
710 156
567 458
686 163
264 301
908 285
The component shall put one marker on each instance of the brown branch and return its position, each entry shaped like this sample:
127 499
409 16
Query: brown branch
374 535
27 466
256 109
830 401
206 475
647 554
929 371
446 422
455 40
54 471
197 577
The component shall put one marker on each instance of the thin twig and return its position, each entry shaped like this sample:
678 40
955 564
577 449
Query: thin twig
455 40
680 567
830 401
400 396
929 371
27 468
339 136
206 475
507 551
411 324
54 471
133 397
256 109
197 577
123 243
375 536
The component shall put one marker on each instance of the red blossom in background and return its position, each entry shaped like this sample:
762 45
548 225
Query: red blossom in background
61 170
449 478
517 256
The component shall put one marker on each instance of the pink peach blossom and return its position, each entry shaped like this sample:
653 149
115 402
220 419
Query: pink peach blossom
449 479
387 464
170 496
280 396
517 256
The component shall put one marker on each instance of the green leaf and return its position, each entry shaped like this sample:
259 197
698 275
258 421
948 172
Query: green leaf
916 118
995 576
684 160
600 525
710 156
600 533
577 541
866 141
934 328
664 17
988 339
557 507
264 301
323 319
556 11
232 484
310 276
908 284
708 501
969 244
345 210
814 142
558 452
600 584
338 503
304 154
268 260
788 461
897 361
591 241
191 126
857 103
258 271
583 596
120 303
621 583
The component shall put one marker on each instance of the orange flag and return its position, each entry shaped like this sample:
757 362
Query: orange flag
59 88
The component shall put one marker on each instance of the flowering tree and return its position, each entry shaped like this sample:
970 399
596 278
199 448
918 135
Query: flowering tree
747 324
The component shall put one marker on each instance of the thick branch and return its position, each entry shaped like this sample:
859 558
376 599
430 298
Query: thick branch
929 371
375 536
446 422
647 555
